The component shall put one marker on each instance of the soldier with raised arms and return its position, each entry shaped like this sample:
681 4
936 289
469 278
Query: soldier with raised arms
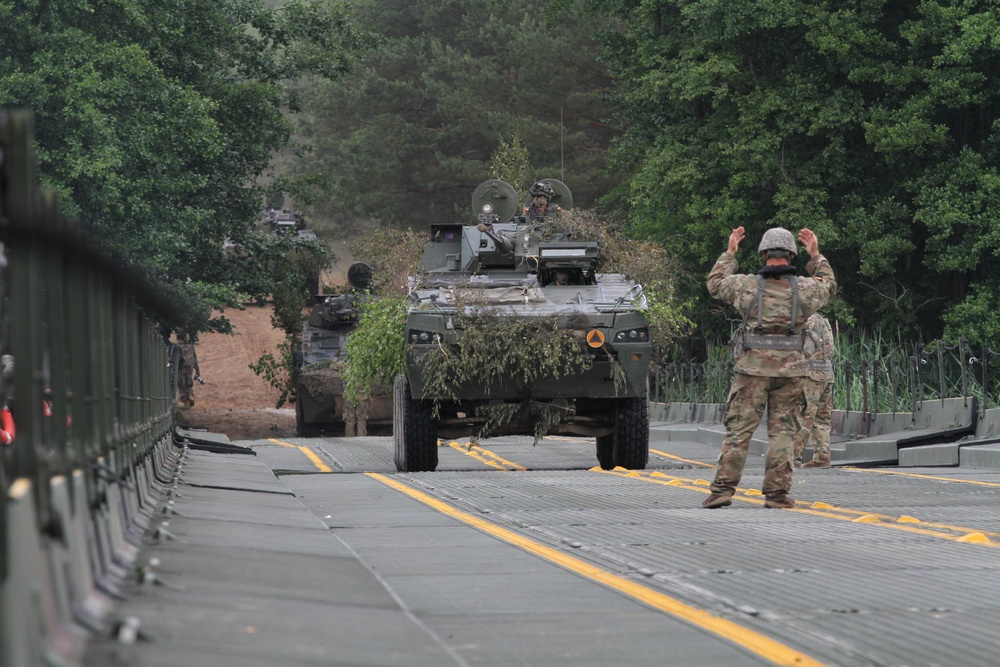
771 368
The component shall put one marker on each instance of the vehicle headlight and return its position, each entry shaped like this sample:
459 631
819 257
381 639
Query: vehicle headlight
417 337
640 335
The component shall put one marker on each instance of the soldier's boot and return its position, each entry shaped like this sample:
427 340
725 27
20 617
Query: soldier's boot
717 500
779 502
816 464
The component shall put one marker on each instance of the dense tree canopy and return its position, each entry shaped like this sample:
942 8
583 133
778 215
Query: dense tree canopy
872 122
156 120
409 134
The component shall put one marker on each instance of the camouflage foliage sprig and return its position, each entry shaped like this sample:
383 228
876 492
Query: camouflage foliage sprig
499 350
646 262
375 349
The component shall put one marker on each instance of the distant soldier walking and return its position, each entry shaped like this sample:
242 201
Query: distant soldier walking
818 416
186 365
771 369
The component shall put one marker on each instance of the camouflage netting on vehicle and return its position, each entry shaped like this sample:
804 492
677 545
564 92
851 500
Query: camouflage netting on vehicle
322 381
578 225
498 350
646 262
329 381
469 294
495 349
508 352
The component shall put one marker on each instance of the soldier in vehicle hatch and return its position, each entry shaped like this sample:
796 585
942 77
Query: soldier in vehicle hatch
771 369
541 196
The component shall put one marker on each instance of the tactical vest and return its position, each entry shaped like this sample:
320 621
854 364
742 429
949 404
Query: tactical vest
754 339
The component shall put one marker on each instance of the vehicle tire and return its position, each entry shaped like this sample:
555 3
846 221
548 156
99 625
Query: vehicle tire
304 429
606 451
631 439
413 433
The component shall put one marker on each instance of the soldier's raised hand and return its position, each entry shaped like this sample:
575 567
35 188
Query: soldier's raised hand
808 238
734 240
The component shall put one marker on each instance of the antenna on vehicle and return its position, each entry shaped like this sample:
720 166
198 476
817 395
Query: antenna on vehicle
562 164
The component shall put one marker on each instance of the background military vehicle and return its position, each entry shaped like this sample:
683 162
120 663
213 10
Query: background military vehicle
501 267
283 220
320 408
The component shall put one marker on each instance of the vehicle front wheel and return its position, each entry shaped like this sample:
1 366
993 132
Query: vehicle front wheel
631 438
413 433
606 451
304 429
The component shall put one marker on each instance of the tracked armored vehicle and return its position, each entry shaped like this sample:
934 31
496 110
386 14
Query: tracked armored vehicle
502 269
320 407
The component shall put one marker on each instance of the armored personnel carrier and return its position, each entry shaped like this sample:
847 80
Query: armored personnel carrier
320 407
284 221
507 278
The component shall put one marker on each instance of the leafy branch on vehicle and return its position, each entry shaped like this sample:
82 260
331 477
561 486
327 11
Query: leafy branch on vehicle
375 352
500 351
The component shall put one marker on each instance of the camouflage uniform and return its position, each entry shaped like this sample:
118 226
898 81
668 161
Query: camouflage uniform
356 416
187 370
818 415
532 213
544 189
771 378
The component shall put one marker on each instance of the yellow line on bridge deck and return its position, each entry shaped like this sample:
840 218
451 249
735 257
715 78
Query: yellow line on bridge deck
486 456
678 458
756 643
817 508
310 454
919 476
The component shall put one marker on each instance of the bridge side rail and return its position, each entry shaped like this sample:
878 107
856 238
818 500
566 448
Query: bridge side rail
92 402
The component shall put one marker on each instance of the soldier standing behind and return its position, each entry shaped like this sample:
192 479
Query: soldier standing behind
770 372
186 364
818 416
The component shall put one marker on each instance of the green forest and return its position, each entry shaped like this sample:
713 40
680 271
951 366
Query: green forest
165 127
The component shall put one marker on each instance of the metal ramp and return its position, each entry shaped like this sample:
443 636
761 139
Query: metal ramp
943 432
202 439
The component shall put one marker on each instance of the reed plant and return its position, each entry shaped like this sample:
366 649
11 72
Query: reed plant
873 372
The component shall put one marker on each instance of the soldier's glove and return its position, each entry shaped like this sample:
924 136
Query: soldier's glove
199 379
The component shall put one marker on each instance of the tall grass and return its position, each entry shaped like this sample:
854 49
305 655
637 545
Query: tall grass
881 374
694 381
873 372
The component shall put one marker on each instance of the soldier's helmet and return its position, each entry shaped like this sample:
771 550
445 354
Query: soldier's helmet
777 238
542 188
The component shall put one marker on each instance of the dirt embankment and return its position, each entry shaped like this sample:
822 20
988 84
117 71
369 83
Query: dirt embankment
234 400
